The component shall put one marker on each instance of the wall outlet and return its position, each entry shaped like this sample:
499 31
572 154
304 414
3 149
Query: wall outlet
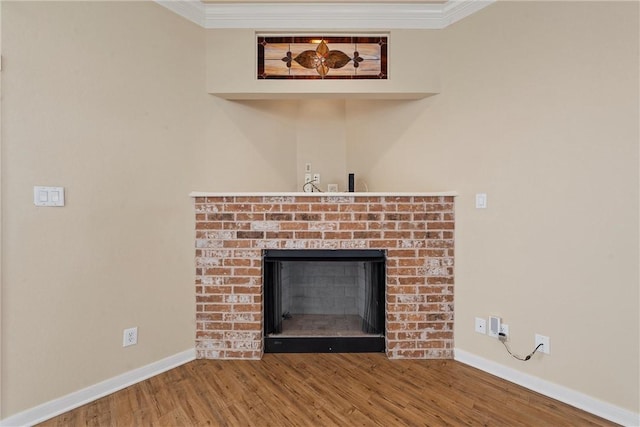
316 178
504 329
307 179
546 346
130 337
481 325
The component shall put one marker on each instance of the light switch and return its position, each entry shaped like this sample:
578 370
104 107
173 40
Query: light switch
481 200
48 196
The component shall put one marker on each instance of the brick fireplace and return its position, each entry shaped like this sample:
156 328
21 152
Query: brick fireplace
416 230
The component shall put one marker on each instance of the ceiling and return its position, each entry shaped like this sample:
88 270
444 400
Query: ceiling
324 14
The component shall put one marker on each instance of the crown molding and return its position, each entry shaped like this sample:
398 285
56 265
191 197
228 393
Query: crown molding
326 16
192 10
455 10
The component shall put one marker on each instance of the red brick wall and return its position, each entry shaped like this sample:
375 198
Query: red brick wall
417 231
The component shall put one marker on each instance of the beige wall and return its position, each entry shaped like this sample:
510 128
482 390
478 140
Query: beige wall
249 145
106 100
322 141
1 352
539 108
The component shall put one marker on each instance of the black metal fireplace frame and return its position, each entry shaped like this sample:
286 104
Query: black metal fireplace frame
374 343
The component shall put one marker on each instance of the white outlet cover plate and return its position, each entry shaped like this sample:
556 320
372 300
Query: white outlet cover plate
481 325
545 341
504 329
130 337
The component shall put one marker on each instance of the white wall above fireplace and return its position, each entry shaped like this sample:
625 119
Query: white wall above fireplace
412 74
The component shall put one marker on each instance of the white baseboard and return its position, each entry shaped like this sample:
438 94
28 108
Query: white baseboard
78 398
555 391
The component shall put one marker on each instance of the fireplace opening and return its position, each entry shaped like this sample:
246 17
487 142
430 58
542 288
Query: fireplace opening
321 301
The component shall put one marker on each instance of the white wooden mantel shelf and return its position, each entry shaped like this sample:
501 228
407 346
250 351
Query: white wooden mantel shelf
318 194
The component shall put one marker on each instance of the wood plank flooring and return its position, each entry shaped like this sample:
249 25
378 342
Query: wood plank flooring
364 389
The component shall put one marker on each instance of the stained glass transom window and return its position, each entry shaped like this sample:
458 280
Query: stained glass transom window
322 57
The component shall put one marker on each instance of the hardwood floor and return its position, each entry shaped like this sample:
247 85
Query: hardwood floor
364 389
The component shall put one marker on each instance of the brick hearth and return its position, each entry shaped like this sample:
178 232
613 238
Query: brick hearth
416 230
